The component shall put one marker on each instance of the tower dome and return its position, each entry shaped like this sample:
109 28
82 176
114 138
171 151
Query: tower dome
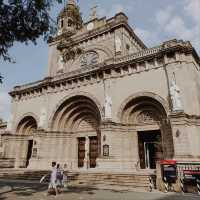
69 19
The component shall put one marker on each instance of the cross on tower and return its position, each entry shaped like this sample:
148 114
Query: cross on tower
93 12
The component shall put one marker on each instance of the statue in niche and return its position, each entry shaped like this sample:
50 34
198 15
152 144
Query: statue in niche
43 116
60 63
108 107
118 44
175 96
59 32
9 125
105 150
93 13
34 153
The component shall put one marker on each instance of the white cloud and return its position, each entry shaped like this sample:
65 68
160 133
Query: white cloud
4 105
115 8
163 16
174 24
192 8
150 38
177 27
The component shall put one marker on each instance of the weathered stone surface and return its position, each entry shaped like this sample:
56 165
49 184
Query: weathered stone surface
112 90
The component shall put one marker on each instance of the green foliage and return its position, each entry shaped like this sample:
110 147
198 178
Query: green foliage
23 21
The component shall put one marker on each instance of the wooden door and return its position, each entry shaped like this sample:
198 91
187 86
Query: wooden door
81 151
93 151
141 153
29 152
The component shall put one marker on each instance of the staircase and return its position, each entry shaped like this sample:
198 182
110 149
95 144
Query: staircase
21 174
103 180
119 181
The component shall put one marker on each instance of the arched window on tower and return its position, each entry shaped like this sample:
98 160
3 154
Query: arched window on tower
61 23
70 23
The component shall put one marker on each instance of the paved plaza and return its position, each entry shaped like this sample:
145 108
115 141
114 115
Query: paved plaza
14 190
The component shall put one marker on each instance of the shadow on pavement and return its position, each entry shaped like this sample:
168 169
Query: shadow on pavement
20 189
24 189
180 197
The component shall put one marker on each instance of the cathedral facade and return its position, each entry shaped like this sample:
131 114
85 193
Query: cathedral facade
109 103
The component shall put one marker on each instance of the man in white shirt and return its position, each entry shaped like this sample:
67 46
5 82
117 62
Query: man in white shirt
52 184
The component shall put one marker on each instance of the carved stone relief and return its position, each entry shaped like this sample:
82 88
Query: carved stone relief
146 116
89 58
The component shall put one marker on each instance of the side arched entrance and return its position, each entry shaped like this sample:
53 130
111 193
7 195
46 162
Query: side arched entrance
24 139
79 117
148 116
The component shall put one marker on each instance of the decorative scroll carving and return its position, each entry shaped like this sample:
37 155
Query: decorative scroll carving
71 53
89 58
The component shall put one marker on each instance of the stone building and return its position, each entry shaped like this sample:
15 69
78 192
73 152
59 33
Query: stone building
109 103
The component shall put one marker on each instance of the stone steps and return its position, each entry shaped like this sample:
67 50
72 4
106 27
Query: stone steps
95 180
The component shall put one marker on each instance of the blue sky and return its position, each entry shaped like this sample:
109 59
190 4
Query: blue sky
154 21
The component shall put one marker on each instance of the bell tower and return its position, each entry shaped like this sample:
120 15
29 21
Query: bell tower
69 19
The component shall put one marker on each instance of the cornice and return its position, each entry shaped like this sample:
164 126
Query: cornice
184 118
112 68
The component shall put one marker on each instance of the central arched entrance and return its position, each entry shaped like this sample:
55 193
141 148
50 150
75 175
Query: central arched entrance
154 134
80 116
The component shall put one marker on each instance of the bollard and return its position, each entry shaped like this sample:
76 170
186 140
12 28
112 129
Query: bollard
151 185
198 186
182 185
166 184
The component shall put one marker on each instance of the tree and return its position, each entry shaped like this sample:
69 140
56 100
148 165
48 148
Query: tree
23 21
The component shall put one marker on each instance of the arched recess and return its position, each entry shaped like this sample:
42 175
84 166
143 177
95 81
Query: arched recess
27 126
80 114
149 117
74 112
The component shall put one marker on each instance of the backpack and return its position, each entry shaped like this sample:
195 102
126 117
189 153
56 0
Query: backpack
59 175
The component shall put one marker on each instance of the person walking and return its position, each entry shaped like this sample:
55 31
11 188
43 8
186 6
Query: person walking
53 180
59 178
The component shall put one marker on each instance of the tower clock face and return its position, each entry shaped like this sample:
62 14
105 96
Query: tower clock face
89 58
90 26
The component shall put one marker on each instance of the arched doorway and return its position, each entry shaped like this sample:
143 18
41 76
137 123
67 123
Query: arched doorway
80 116
26 127
154 133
